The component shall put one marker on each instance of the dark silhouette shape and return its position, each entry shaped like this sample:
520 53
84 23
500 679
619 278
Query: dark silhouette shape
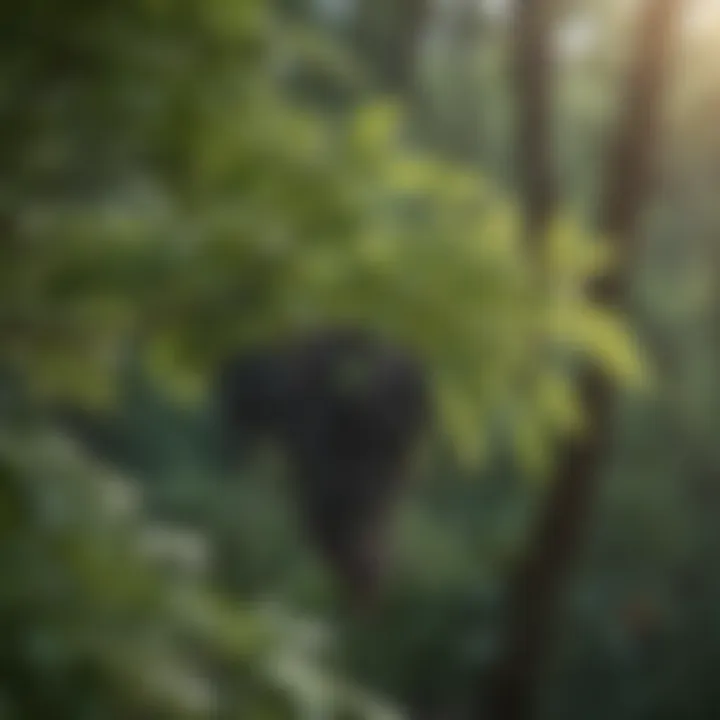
347 408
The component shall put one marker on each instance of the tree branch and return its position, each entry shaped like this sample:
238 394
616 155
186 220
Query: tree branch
536 594
534 69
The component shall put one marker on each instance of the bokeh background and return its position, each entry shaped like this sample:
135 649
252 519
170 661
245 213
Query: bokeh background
181 179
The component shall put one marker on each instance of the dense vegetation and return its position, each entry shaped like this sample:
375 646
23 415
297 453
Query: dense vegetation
182 179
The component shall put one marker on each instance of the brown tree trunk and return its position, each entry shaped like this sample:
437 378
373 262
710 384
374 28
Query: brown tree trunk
536 595
534 81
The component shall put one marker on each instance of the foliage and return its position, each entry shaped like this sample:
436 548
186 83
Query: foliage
106 613
169 191
203 208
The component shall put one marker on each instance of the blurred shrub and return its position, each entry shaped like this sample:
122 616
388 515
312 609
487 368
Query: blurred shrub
105 614
164 187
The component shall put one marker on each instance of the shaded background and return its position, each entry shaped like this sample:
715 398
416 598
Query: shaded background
182 179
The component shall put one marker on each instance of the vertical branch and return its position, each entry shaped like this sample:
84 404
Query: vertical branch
534 69
537 592
630 160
